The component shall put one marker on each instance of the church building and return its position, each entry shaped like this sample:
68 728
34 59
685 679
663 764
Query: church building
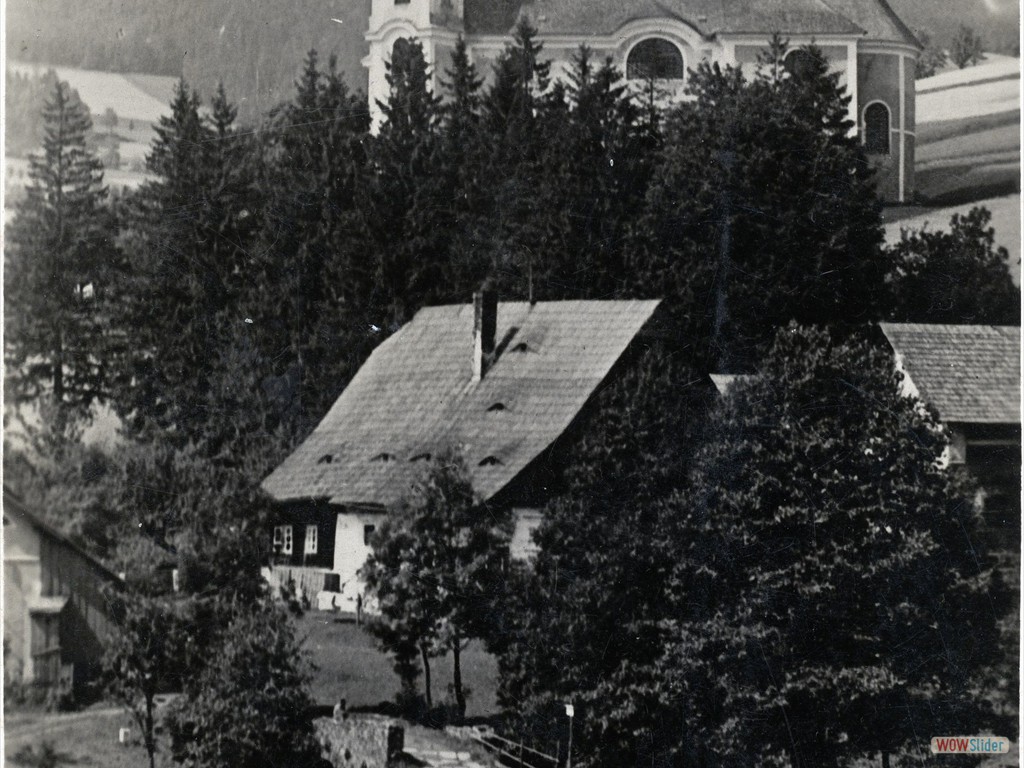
865 42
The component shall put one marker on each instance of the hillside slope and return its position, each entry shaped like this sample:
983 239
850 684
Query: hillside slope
968 133
256 47
997 21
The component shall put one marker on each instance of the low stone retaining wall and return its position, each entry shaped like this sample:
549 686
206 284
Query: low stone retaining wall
360 741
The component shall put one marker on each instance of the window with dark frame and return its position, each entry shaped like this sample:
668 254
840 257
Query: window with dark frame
368 531
655 58
876 129
311 540
283 539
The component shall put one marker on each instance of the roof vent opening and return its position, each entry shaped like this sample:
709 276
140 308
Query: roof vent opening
497 407
384 457
490 461
421 457
325 459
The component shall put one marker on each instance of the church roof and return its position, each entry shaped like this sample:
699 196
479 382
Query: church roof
415 395
873 19
968 373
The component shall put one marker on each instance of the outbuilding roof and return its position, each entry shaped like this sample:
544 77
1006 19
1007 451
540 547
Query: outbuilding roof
415 395
16 509
968 373
873 19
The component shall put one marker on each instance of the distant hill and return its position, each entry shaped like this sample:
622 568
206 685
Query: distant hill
257 46
997 21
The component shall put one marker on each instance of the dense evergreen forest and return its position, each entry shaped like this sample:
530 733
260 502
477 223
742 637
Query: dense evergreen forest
254 47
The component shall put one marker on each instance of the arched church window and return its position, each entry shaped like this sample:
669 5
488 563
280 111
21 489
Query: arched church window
400 48
799 62
656 59
876 129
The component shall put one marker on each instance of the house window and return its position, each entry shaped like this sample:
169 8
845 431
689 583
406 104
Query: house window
368 533
876 129
310 546
283 539
655 59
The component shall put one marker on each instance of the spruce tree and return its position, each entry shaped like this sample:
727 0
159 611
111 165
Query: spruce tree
410 223
188 235
59 265
762 209
315 328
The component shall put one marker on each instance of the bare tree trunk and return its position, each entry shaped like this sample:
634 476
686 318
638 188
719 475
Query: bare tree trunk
148 735
885 759
460 697
426 676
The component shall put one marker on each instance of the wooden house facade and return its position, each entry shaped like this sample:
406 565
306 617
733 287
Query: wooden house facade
57 613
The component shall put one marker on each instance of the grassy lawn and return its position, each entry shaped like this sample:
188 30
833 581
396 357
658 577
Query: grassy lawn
88 738
349 664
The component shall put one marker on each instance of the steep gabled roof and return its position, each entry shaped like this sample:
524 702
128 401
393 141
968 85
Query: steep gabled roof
18 510
968 373
873 19
415 395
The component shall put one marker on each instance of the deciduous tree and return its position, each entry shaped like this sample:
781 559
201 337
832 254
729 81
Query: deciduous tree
955 275
968 48
249 706
827 564
435 567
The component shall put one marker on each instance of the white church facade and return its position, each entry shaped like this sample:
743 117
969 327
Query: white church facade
873 51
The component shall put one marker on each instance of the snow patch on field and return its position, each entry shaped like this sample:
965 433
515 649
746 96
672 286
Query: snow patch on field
985 89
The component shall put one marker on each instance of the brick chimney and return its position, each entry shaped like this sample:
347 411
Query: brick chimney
485 327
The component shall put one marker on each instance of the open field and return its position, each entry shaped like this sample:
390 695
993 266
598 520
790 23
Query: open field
1002 140
987 88
349 664
968 133
139 98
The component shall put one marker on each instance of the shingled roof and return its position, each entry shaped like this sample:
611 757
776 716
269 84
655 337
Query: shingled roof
415 395
968 373
873 19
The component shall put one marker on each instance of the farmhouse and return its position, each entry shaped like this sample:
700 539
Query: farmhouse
503 382
56 615
870 48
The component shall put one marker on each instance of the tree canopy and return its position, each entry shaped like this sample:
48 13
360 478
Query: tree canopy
798 599
435 569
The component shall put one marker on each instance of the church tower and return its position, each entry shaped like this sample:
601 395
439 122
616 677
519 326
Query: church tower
435 24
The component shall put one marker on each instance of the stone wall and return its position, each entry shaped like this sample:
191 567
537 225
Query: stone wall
360 741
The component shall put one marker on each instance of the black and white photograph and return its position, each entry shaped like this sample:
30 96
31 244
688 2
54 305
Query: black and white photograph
511 383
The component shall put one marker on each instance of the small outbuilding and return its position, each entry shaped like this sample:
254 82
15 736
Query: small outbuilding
57 613
970 375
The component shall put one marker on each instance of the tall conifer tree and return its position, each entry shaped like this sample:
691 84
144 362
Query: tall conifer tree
59 262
